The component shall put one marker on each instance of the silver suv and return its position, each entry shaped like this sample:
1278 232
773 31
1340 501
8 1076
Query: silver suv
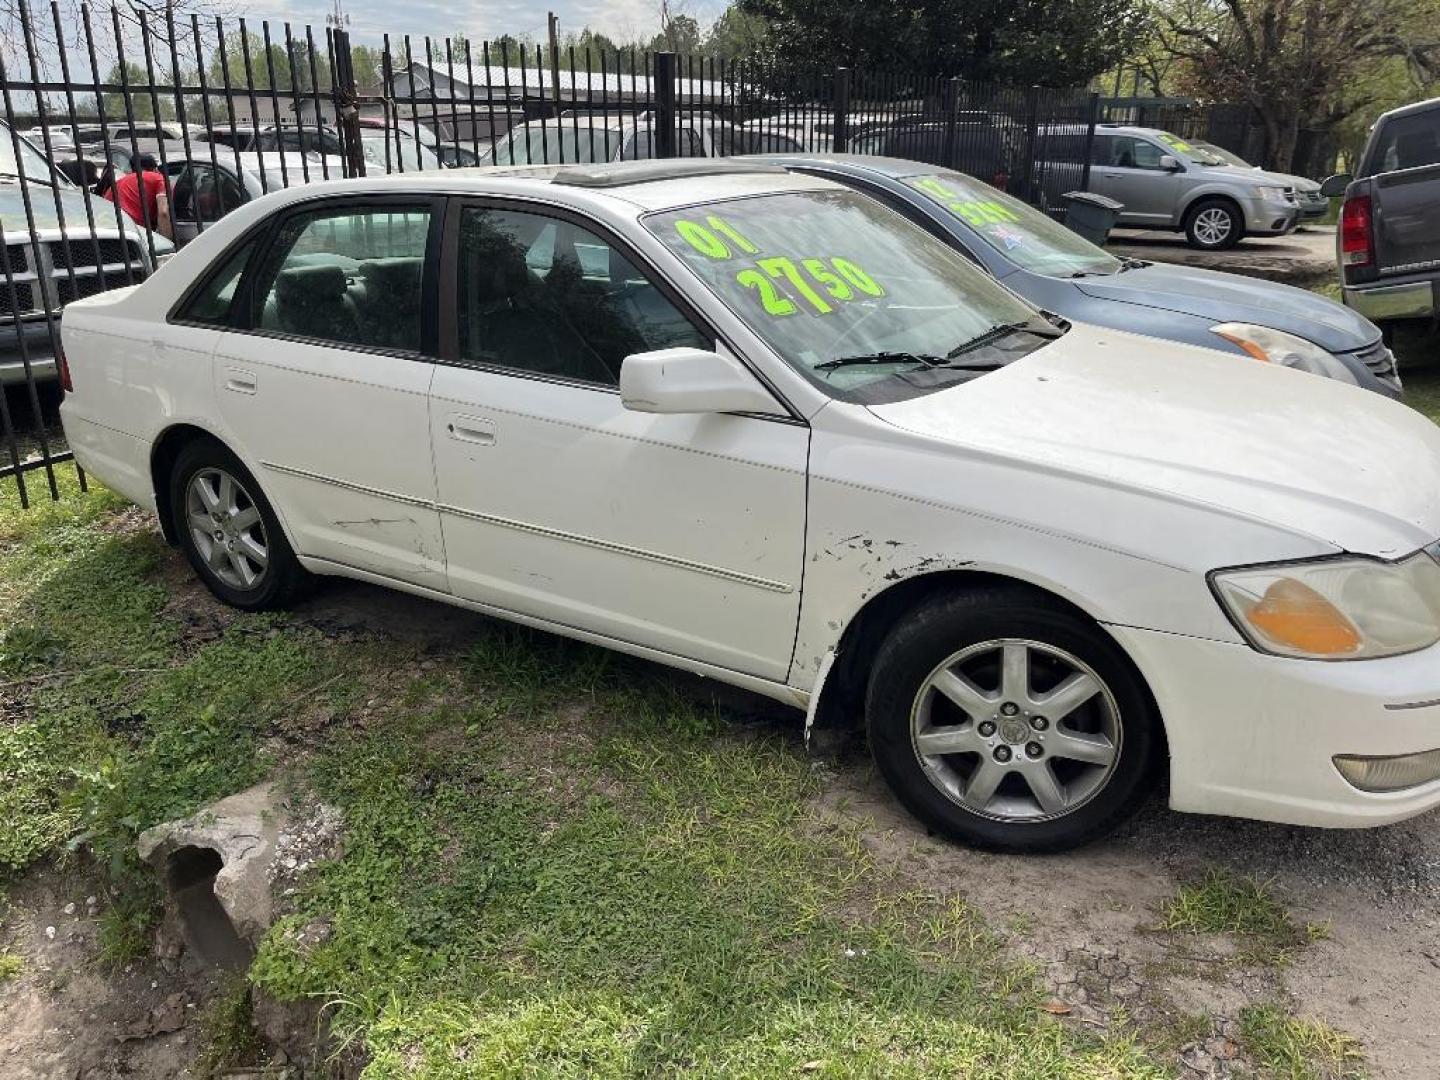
1165 182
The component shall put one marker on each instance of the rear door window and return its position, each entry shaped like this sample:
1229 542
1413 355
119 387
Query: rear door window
347 276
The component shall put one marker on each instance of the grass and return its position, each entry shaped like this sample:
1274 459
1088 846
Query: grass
1296 1048
1245 907
227 1034
10 966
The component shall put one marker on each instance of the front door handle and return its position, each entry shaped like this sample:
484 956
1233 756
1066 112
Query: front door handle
240 381
472 429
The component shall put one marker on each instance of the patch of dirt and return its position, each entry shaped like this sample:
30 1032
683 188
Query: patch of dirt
68 1016
1089 921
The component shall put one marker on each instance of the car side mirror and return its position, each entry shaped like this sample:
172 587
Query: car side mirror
690 381
1334 186
1170 163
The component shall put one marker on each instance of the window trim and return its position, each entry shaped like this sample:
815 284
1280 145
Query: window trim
266 232
449 353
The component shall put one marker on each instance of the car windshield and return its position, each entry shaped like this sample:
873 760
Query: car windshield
568 144
1189 151
30 164
395 151
1227 156
867 305
1026 237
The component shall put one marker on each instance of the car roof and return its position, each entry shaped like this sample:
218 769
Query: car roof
1412 108
643 185
851 164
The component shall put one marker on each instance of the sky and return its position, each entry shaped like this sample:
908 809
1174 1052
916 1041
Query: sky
484 19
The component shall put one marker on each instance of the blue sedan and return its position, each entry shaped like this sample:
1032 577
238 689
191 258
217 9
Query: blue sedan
1060 272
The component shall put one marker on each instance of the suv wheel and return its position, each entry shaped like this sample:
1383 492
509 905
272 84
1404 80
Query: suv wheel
1213 225
229 532
1007 721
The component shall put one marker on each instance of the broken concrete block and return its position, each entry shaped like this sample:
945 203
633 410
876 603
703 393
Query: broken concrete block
215 865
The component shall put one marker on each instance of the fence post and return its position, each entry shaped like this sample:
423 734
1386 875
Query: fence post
840 125
347 112
1089 142
952 119
1032 125
665 104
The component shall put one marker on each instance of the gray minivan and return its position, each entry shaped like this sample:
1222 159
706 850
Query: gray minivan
1165 182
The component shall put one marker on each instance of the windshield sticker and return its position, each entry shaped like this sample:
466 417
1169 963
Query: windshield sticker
1009 237
778 281
1176 143
979 213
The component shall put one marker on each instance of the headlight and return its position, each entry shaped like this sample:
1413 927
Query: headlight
1270 192
1287 350
1335 609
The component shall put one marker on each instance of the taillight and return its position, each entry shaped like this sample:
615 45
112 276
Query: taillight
63 367
1357 240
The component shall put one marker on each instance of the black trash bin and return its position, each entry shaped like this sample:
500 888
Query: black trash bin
1091 215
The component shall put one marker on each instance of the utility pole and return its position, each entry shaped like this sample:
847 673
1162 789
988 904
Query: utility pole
553 23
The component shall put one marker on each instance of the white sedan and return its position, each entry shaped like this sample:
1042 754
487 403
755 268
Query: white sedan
758 426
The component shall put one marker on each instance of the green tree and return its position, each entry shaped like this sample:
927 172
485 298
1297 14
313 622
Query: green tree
1044 42
736 35
141 102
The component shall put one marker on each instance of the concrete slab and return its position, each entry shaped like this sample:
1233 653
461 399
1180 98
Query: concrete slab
1305 257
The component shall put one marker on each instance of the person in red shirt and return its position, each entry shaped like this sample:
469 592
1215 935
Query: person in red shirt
144 195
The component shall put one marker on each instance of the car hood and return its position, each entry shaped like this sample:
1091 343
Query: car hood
1211 294
71 203
1307 455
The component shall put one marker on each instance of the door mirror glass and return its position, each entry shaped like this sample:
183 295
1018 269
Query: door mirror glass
687 380
1169 163
1334 186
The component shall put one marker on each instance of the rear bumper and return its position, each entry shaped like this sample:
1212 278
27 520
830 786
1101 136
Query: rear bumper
1384 303
1255 736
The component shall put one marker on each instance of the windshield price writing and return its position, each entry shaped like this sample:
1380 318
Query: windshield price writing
815 282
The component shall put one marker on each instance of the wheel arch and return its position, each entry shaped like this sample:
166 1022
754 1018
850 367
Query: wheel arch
165 451
838 707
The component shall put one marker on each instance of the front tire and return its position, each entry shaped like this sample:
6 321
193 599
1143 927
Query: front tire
229 531
1005 720
1214 225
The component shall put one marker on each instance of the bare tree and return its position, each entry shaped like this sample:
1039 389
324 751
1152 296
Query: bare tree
1297 63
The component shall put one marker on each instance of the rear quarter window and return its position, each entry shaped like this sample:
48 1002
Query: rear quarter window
1405 142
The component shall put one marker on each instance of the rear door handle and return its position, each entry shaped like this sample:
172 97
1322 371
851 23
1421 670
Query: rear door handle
240 381
472 429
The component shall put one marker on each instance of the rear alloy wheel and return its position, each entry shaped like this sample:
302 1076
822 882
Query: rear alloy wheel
229 532
1010 722
1214 225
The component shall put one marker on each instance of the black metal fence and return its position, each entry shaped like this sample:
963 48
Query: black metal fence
230 110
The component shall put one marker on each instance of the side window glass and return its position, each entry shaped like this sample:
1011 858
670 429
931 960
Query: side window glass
548 297
212 304
347 276
1143 155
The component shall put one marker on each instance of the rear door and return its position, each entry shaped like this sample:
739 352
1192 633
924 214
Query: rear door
678 533
323 382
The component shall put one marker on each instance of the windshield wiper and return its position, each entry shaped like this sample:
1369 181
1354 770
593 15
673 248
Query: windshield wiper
1127 263
18 176
995 333
917 359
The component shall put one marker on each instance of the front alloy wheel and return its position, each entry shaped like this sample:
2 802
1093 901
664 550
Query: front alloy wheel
226 528
1009 720
1016 730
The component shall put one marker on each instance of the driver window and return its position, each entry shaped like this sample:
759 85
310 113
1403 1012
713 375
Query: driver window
545 296
1132 153
349 276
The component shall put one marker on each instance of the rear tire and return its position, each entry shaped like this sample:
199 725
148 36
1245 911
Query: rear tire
1006 720
1214 225
229 531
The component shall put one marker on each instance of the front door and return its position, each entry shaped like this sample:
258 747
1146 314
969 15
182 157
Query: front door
1128 170
678 533
324 384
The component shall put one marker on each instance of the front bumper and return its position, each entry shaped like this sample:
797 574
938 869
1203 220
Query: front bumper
1254 736
38 348
1266 218
1384 303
